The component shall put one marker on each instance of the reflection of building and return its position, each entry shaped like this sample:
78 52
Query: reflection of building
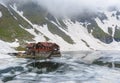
42 48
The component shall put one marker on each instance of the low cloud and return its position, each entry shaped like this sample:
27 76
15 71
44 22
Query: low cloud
72 7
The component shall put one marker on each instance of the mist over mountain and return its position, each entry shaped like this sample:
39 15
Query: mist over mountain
70 7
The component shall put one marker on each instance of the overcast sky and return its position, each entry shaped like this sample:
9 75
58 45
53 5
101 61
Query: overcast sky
72 7
76 6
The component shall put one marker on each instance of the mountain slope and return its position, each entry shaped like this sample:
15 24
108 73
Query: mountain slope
87 31
9 27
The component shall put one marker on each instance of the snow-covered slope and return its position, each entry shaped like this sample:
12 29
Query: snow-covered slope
83 40
99 32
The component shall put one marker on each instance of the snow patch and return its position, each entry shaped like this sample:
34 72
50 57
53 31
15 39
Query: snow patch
0 14
15 18
38 37
14 44
5 47
111 22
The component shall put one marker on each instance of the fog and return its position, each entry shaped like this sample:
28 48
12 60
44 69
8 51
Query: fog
72 7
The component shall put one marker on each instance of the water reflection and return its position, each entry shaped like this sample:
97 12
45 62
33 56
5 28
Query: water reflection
43 67
114 64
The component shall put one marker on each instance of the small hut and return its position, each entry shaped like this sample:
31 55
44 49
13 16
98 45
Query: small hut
46 49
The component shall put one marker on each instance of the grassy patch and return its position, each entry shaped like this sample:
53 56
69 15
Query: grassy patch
55 30
10 29
117 34
20 48
98 33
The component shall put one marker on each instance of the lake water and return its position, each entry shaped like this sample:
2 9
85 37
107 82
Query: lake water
72 67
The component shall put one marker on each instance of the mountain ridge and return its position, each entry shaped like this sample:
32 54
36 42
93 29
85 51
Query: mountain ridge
84 32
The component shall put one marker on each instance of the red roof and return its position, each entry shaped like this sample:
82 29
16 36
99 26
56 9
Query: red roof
46 44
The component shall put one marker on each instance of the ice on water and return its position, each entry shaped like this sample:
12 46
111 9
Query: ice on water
72 70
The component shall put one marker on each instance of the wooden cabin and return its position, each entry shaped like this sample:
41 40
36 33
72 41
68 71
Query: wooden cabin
47 49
